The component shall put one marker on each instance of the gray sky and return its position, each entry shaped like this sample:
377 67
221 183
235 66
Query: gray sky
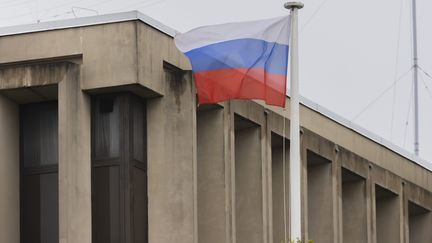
350 51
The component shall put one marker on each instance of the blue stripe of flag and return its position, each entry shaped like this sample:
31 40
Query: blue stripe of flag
240 53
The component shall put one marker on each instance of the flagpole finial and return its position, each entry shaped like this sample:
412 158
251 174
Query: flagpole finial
293 5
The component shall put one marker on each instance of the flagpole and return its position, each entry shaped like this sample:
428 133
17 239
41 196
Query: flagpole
295 168
415 77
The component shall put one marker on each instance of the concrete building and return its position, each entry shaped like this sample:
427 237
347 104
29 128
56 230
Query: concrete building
101 141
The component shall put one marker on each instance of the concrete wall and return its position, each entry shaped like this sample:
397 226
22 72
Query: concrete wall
212 194
248 185
150 70
354 209
366 148
280 189
172 181
9 171
388 216
420 221
320 198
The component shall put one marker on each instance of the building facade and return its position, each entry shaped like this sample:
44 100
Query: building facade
101 140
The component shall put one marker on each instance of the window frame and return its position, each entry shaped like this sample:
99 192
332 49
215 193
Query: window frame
33 170
126 161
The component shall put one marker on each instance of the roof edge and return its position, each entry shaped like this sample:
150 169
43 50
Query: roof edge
86 21
365 133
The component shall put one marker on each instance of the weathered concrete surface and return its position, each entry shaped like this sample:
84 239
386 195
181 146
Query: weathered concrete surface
153 48
387 209
321 210
212 208
114 54
419 220
74 161
360 145
366 148
248 185
354 208
280 182
14 77
387 216
229 138
41 45
418 213
9 171
172 196
320 199
109 55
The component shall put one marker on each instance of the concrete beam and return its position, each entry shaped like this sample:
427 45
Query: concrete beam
109 55
13 77
41 45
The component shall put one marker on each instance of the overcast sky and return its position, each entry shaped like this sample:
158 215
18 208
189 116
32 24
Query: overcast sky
351 52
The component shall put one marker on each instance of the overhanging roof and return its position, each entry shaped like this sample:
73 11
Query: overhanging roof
135 15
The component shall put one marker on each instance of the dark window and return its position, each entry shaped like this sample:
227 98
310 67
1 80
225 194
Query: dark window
39 173
107 131
39 134
119 175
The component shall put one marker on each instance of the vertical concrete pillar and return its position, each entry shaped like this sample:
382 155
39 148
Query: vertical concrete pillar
212 203
320 198
74 160
265 138
172 175
387 216
229 138
402 213
370 206
337 195
278 182
420 221
405 212
248 183
9 171
354 208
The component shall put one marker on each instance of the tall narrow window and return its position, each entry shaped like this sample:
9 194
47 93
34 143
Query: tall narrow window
39 173
119 176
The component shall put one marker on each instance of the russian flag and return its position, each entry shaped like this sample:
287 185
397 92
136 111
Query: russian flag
246 60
